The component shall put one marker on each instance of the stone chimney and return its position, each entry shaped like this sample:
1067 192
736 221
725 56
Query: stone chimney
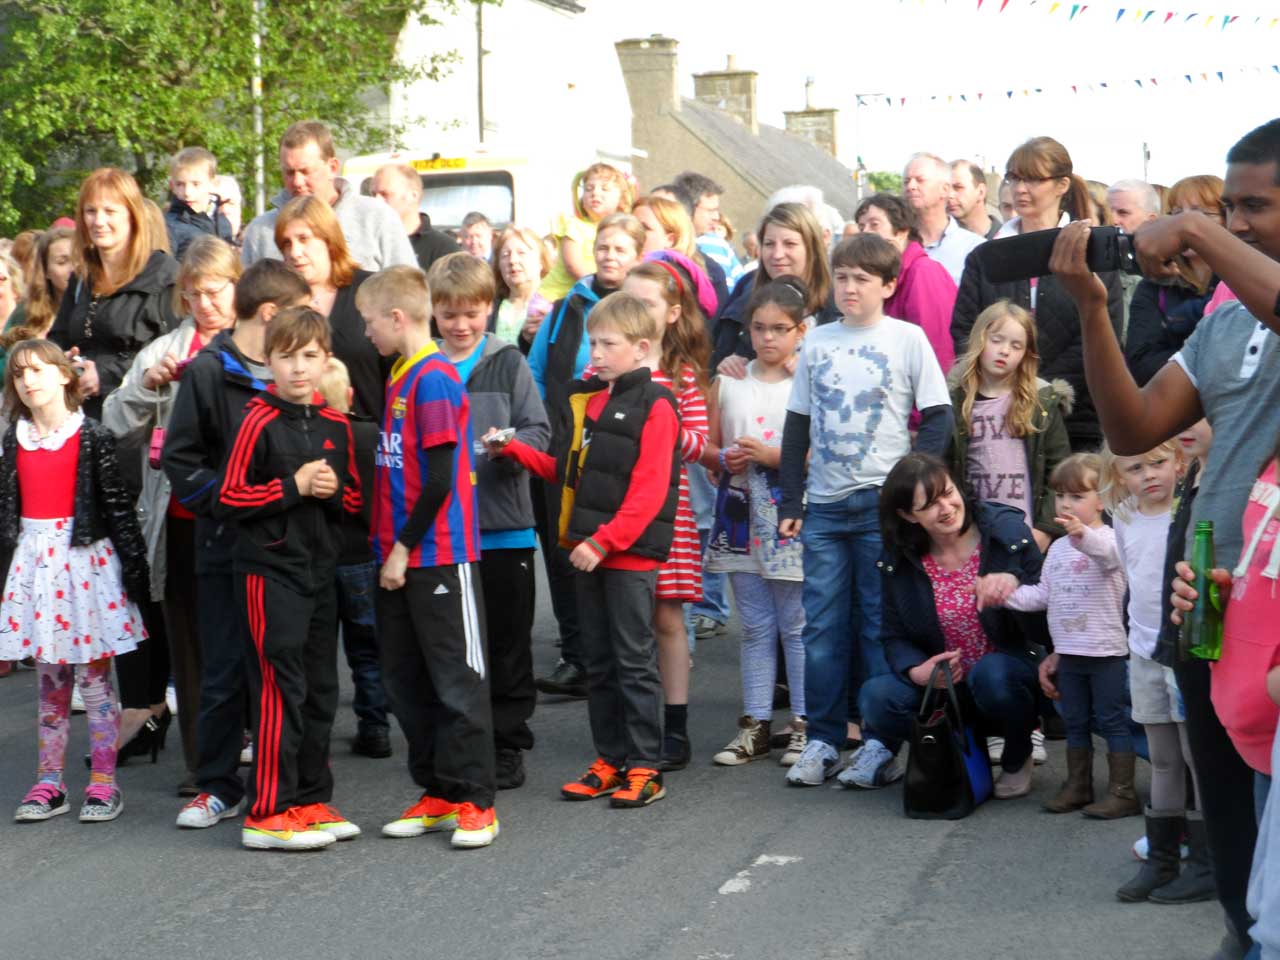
818 126
649 70
731 90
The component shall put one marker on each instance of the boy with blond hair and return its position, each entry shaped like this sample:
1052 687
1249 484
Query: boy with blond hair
192 174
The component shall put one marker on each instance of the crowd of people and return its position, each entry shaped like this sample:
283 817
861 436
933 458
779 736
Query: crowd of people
229 447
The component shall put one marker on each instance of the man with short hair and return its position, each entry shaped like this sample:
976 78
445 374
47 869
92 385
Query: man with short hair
1133 203
701 198
476 235
968 200
309 167
399 187
926 183
1006 208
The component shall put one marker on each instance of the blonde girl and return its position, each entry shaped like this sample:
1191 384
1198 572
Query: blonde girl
599 192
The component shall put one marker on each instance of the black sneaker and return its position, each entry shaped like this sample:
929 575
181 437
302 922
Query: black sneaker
676 753
373 743
567 680
510 769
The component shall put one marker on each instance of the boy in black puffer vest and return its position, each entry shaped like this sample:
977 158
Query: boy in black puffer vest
614 454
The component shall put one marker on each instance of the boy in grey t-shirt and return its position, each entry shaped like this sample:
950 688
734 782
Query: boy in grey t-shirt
855 386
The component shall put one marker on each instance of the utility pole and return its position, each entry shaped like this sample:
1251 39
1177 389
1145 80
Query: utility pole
1146 161
480 52
259 161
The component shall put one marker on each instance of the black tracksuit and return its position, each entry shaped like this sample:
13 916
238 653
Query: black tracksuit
285 555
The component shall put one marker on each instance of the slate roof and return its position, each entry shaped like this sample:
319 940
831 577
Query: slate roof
772 160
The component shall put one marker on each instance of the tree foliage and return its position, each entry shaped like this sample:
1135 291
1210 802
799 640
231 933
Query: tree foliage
884 181
85 83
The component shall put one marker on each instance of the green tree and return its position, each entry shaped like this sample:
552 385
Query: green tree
85 83
884 181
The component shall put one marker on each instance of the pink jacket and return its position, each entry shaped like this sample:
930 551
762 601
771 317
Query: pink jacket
1250 641
926 296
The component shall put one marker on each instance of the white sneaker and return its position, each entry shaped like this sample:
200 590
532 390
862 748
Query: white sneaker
77 701
815 764
871 766
995 747
284 831
1038 754
796 744
246 754
171 697
206 810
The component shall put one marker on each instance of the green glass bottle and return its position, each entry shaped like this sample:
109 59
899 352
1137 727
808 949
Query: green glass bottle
1202 626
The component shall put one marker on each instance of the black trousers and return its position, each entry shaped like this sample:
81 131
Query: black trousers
180 606
143 672
624 691
1226 793
293 687
561 574
510 592
224 684
434 668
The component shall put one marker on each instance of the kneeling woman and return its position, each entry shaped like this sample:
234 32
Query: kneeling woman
947 562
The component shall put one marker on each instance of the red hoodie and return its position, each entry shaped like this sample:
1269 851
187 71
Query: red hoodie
926 296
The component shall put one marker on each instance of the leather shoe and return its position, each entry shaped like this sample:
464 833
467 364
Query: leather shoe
509 769
375 743
567 680
676 753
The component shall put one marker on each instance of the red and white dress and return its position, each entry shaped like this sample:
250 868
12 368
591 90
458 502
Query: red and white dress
62 603
680 578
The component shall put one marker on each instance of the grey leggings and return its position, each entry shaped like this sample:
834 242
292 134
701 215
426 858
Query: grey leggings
1170 763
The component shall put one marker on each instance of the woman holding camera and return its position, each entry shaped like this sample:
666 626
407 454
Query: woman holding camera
137 412
1047 193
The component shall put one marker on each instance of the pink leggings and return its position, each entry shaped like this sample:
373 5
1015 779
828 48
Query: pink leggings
55 719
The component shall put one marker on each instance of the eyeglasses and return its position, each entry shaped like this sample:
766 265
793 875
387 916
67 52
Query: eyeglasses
773 330
210 293
1013 181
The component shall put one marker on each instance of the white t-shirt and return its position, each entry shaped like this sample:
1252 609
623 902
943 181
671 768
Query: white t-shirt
1141 541
753 408
858 386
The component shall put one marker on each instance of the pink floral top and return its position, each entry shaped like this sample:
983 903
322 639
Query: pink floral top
957 609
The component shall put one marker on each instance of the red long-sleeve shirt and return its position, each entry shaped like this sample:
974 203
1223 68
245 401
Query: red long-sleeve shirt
647 491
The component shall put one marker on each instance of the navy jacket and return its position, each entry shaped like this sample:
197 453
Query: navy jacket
185 225
909 620
731 334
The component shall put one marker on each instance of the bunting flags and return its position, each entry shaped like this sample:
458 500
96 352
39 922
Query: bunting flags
1140 15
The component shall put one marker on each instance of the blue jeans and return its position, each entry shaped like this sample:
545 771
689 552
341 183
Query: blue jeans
1001 689
357 586
841 606
702 498
1095 697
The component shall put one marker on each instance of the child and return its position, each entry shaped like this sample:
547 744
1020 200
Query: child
1009 432
357 578
604 192
78 559
502 395
290 476
676 292
615 456
1082 587
192 174
855 386
207 412
426 536
767 572
1139 491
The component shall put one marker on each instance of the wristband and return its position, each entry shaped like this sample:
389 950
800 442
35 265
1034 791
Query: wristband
723 465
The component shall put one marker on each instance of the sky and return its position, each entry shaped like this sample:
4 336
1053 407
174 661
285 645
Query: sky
922 48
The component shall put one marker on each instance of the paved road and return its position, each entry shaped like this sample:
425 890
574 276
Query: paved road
732 864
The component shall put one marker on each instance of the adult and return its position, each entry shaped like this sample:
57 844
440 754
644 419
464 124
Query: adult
118 301
206 286
1047 193
476 235
947 561
792 243
1005 206
926 183
520 261
968 199
925 294
51 271
399 187
308 233
309 168
667 226
1162 316
1133 203
701 197
13 286
1227 371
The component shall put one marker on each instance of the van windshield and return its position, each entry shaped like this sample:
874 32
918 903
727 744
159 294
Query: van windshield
448 197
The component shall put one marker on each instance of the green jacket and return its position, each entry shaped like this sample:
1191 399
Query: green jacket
1046 448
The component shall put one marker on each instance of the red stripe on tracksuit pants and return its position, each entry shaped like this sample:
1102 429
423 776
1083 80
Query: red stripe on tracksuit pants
293 684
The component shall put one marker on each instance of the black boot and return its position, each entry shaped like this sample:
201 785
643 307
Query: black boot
509 768
567 679
1196 881
1164 839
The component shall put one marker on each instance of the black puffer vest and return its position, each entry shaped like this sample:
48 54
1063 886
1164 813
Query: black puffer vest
595 460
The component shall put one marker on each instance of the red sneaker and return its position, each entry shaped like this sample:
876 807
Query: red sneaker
321 816
428 815
601 779
477 826
644 786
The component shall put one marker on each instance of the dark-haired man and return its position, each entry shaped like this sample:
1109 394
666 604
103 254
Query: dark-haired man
968 200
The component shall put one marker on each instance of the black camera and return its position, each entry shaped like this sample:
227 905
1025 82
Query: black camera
1026 256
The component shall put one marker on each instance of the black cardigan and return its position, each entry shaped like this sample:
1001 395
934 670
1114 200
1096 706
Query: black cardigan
909 627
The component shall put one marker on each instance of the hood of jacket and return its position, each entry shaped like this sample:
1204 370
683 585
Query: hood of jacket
234 363
585 290
341 184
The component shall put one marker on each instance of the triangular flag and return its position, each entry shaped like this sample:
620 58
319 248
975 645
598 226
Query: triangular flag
1189 16
1075 8
888 101
1103 86
1148 16
1138 82
1003 4
1188 78
1074 89
979 4
948 98
1153 82
1219 74
964 98
1276 67
1168 16
1204 76
904 99
980 95
1119 14
1054 7
1009 94
1208 20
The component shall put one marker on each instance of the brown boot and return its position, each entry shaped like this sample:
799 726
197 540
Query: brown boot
1121 799
1077 790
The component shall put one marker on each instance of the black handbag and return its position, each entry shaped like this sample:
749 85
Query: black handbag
948 769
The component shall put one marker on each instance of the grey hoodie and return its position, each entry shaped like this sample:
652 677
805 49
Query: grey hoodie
375 237
503 394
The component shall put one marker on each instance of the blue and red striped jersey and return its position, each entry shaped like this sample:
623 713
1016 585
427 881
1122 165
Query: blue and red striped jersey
426 407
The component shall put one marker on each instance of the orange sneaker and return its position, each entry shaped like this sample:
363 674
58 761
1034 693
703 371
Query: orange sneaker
644 786
321 816
477 826
284 831
601 779
428 815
